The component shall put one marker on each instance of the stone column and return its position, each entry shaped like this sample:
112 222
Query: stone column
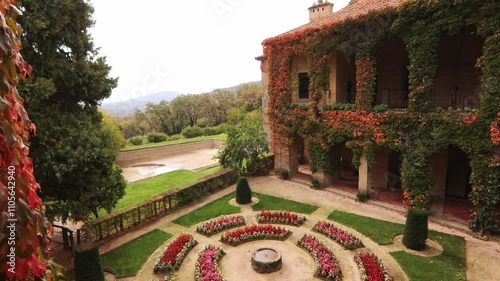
364 180
325 178
286 158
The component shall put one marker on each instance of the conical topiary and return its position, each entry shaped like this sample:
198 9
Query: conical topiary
416 228
243 192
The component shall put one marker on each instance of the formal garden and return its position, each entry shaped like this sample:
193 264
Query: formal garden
314 241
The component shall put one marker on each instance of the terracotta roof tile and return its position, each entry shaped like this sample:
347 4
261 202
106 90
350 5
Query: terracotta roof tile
355 9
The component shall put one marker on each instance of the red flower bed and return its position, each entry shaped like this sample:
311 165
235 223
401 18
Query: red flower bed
279 217
220 224
254 232
344 238
326 264
174 254
371 267
207 263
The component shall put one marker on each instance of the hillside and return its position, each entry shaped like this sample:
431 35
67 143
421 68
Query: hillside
127 108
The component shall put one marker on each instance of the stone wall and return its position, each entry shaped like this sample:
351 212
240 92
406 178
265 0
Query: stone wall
126 158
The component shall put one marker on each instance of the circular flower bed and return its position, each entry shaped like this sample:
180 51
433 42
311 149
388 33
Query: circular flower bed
174 253
207 264
279 217
327 266
254 232
371 267
342 237
220 224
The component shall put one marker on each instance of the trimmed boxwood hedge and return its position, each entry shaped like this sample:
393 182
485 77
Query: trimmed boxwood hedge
416 229
88 264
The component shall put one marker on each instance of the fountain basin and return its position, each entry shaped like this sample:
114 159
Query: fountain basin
266 260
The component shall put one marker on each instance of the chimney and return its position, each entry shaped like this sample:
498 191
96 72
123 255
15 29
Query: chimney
320 10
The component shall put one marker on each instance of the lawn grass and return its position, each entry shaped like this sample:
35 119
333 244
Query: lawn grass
127 260
269 202
449 266
211 210
139 191
149 145
209 170
379 231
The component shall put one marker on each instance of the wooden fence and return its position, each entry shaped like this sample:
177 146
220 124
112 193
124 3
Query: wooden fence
123 221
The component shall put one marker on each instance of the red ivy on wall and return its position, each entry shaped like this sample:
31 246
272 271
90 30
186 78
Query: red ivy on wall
24 246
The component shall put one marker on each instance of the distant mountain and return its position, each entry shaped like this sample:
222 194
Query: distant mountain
127 108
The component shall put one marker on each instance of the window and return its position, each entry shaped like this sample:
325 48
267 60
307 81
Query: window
303 85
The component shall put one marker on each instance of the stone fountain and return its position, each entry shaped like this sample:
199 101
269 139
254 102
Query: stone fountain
266 260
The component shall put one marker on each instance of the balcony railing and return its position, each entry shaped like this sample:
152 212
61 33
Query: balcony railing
399 99
346 98
456 99
393 98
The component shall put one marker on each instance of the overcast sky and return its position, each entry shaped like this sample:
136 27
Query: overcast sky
190 46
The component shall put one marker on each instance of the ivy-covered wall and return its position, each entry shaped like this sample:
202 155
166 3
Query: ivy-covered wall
418 132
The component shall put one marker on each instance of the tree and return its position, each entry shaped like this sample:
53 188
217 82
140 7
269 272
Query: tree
216 104
73 152
187 109
246 144
249 96
109 124
24 235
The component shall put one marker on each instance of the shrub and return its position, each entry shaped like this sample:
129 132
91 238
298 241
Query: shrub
339 106
243 192
221 129
285 174
362 197
174 137
210 131
380 108
88 265
137 140
192 132
315 183
416 229
155 137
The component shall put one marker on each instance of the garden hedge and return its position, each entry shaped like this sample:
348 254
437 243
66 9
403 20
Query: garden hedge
416 228
243 192
88 264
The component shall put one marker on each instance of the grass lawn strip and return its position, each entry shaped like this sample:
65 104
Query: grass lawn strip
211 210
127 260
380 231
159 144
139 191
449 266
269 202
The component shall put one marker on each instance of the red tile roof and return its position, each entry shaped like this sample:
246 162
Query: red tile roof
355 9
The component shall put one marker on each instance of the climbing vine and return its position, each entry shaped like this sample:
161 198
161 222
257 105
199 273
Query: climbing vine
420 131
24 235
